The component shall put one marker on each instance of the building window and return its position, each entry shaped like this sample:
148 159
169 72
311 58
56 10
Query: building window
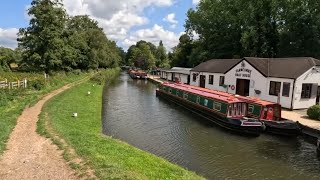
274 88
211 79
221 82
286 89
306 91
194 77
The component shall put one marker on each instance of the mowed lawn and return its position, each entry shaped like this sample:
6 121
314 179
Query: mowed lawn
110 158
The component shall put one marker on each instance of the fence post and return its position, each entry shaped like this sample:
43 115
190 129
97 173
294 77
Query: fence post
25 83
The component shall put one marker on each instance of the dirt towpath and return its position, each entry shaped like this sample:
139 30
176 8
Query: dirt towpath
31 156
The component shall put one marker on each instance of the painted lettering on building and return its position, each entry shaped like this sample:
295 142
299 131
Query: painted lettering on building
243 72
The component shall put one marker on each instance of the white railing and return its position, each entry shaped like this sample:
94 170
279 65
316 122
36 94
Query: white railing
13 85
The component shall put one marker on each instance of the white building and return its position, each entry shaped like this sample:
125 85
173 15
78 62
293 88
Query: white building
181 74
293 82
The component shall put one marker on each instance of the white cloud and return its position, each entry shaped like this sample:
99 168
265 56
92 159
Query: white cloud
195 2
117 18
170 18
8 37
154 35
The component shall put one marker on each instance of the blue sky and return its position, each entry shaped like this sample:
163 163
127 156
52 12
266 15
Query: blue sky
124 21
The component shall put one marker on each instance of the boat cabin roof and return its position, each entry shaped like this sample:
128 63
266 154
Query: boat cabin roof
203 92
251 100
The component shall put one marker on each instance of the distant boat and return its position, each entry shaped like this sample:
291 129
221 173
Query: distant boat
228 112
137 74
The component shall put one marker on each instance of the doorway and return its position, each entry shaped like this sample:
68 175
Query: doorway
318 95
172 77
188 82
243 87
202 81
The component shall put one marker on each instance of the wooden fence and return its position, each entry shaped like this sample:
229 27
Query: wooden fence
13 85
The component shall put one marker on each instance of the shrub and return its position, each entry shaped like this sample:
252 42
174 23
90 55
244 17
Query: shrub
37 84
314 112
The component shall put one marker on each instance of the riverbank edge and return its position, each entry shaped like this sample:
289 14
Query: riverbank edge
13 110
114 158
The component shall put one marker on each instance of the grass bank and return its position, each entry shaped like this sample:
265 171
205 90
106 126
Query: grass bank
108 157
13 102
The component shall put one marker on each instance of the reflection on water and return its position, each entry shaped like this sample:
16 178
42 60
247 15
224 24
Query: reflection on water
133 113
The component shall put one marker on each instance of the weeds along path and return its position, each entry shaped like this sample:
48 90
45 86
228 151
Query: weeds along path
31 156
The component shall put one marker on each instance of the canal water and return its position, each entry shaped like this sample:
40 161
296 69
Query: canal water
133 113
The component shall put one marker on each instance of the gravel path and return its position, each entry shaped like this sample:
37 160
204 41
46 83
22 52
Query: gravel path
31 156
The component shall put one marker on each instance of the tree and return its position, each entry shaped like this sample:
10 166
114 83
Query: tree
42 43
87 45
141 56
161 56
182 52
7 56
268 28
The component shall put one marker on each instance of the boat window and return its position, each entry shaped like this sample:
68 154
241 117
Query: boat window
185 95
250 108
230 110
170 91
206 102
198 99
217 106
244 109
276 112
239 109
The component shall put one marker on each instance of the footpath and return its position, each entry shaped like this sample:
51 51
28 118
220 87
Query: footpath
31 156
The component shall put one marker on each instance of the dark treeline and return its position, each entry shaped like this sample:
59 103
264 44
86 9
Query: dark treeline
55 41
146 55
238 28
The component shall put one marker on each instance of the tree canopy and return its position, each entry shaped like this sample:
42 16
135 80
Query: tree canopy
146 55
54 41
238 28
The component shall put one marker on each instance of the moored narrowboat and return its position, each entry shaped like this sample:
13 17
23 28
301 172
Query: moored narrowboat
267 112
270 114
228 112
135 74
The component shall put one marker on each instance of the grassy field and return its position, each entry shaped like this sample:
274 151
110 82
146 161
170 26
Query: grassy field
13 102
108 157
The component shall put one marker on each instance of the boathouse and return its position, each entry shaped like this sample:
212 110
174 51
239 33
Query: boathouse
176 73
292 82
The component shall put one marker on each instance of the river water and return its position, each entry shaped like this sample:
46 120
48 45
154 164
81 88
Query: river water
133 113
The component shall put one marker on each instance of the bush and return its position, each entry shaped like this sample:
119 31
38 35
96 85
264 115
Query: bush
314 112
37 84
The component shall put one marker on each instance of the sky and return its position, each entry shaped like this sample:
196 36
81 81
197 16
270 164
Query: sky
124 21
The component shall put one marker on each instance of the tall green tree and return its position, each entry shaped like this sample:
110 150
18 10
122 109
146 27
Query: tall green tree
162 56
300 31
141 56
42 43
181 53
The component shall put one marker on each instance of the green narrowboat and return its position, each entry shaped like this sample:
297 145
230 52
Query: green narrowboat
267 112
228 112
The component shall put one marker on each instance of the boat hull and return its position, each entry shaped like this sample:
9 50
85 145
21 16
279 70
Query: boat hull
228 123
284 127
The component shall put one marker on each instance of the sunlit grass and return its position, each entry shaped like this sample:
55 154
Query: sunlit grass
110 158
10 111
